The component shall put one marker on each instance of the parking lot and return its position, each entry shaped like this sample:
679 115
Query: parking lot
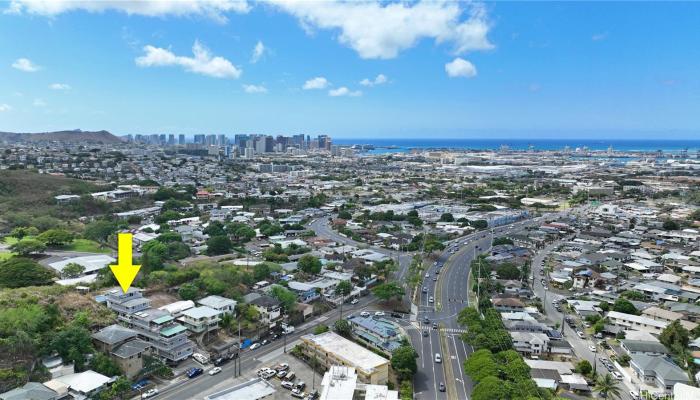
300 369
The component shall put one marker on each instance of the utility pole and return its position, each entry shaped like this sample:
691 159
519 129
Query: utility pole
286 324
239 348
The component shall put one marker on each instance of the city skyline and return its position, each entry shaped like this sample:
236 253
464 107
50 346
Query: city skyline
458 70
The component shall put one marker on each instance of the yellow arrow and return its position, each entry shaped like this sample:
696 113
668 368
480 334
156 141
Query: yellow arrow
125 271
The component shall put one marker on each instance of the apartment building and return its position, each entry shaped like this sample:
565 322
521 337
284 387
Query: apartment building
125 304
200 319
636 322
331 349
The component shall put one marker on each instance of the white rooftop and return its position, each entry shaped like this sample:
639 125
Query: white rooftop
90 263
351 352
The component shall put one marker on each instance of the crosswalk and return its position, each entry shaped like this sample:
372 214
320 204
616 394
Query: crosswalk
453 330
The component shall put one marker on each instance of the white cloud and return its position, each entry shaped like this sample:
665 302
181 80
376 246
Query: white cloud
382 30
460 67
378 80
5 107
258 52
214 9
60 86
26 65
254 89
599 36
202 63
344 91
39 103
318 82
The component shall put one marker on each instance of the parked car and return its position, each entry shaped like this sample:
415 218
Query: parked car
150 393
281 367
140 384
379 314
364 314
300 385
214 371
290 376
221 361
396 315
194 372
281 374
287 385
298 394
254 346
634 395
354 301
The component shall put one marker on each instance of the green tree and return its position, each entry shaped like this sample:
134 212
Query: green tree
403 361
607 387
502 240
343 288
344 214
261 271
480 224
671 225
675 336
481 364
447 217
285 296
633 295
309 264
388 291
56 237
21 232
215 228
624 306
28 246
103 364
153 255
72 343
584 367
508 271
16 272
188 291
219 245
72 270
342 327
491 388
99 230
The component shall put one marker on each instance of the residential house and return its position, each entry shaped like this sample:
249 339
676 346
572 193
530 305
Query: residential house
658 371
221 304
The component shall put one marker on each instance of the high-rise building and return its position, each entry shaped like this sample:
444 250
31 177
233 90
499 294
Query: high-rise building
211 140
199 139
222 141
171 140
181 139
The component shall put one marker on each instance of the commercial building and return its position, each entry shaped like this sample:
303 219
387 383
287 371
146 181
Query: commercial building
255 389
340 383
331 349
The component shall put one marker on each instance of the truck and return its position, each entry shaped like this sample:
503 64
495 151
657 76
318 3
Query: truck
287 329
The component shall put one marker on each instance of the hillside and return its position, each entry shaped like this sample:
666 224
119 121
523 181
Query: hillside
74 136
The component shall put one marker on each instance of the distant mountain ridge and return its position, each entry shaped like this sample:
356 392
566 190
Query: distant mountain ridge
74 136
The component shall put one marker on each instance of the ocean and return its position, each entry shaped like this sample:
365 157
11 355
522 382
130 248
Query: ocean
404 145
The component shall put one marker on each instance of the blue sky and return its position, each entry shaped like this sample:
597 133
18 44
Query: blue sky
502 69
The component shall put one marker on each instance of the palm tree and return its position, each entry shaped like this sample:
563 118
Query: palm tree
607 387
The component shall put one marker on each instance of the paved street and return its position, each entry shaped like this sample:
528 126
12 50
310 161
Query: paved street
579 346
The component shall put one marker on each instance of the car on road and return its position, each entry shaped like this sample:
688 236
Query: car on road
430 300
634 395
364 314
426 320
427 275
435 279
438 358
214 371
425 289
354 301
265 342
379 314
150 393
254 346
441 387
580 334
194 372
425 333
617 375
435 325
592 348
